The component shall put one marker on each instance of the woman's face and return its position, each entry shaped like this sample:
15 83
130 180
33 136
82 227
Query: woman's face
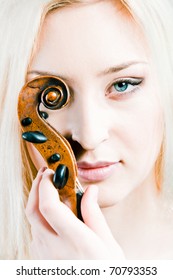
113 120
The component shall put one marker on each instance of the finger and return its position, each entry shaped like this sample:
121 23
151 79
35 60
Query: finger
57 214
93 216
36 220
32 204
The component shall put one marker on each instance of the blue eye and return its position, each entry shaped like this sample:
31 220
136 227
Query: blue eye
121 86
124 87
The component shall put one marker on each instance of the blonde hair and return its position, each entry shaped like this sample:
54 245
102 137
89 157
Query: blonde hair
21 21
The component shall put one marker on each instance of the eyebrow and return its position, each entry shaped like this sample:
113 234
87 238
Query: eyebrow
120 67
110 70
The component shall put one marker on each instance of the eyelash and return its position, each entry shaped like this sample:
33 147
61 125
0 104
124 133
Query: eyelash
134 82
115 94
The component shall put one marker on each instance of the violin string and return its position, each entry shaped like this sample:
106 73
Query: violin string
79 186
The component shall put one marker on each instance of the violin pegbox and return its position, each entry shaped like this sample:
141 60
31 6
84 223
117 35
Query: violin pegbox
54 94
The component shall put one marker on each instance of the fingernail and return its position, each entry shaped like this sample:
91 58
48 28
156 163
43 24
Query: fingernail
42 169
47 172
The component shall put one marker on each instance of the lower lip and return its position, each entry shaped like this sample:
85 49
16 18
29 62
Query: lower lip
96 174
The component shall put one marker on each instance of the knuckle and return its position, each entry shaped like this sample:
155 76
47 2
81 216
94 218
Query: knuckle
46 208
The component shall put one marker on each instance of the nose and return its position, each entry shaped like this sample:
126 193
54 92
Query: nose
88 124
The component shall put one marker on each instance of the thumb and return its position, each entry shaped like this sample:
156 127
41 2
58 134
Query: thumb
92 214
95 220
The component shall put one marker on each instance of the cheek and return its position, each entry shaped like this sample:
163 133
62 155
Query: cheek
146 134
56 118
139 141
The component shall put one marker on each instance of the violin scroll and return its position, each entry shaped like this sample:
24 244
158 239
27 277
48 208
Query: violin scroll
55 97
54 94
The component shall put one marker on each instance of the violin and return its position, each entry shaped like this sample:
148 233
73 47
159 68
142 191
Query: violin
54 94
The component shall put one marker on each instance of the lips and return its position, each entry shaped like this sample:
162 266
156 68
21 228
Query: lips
95 172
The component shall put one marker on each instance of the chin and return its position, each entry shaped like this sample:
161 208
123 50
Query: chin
109 197
109 201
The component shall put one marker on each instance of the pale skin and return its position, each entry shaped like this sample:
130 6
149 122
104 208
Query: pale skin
114 116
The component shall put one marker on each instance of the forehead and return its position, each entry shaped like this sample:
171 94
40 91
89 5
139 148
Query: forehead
83 20
90 34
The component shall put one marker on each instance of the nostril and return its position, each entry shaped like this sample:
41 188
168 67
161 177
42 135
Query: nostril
76 147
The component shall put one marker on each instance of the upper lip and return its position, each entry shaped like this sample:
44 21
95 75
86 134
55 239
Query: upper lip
99 164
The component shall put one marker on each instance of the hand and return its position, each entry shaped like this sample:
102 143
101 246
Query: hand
58 234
